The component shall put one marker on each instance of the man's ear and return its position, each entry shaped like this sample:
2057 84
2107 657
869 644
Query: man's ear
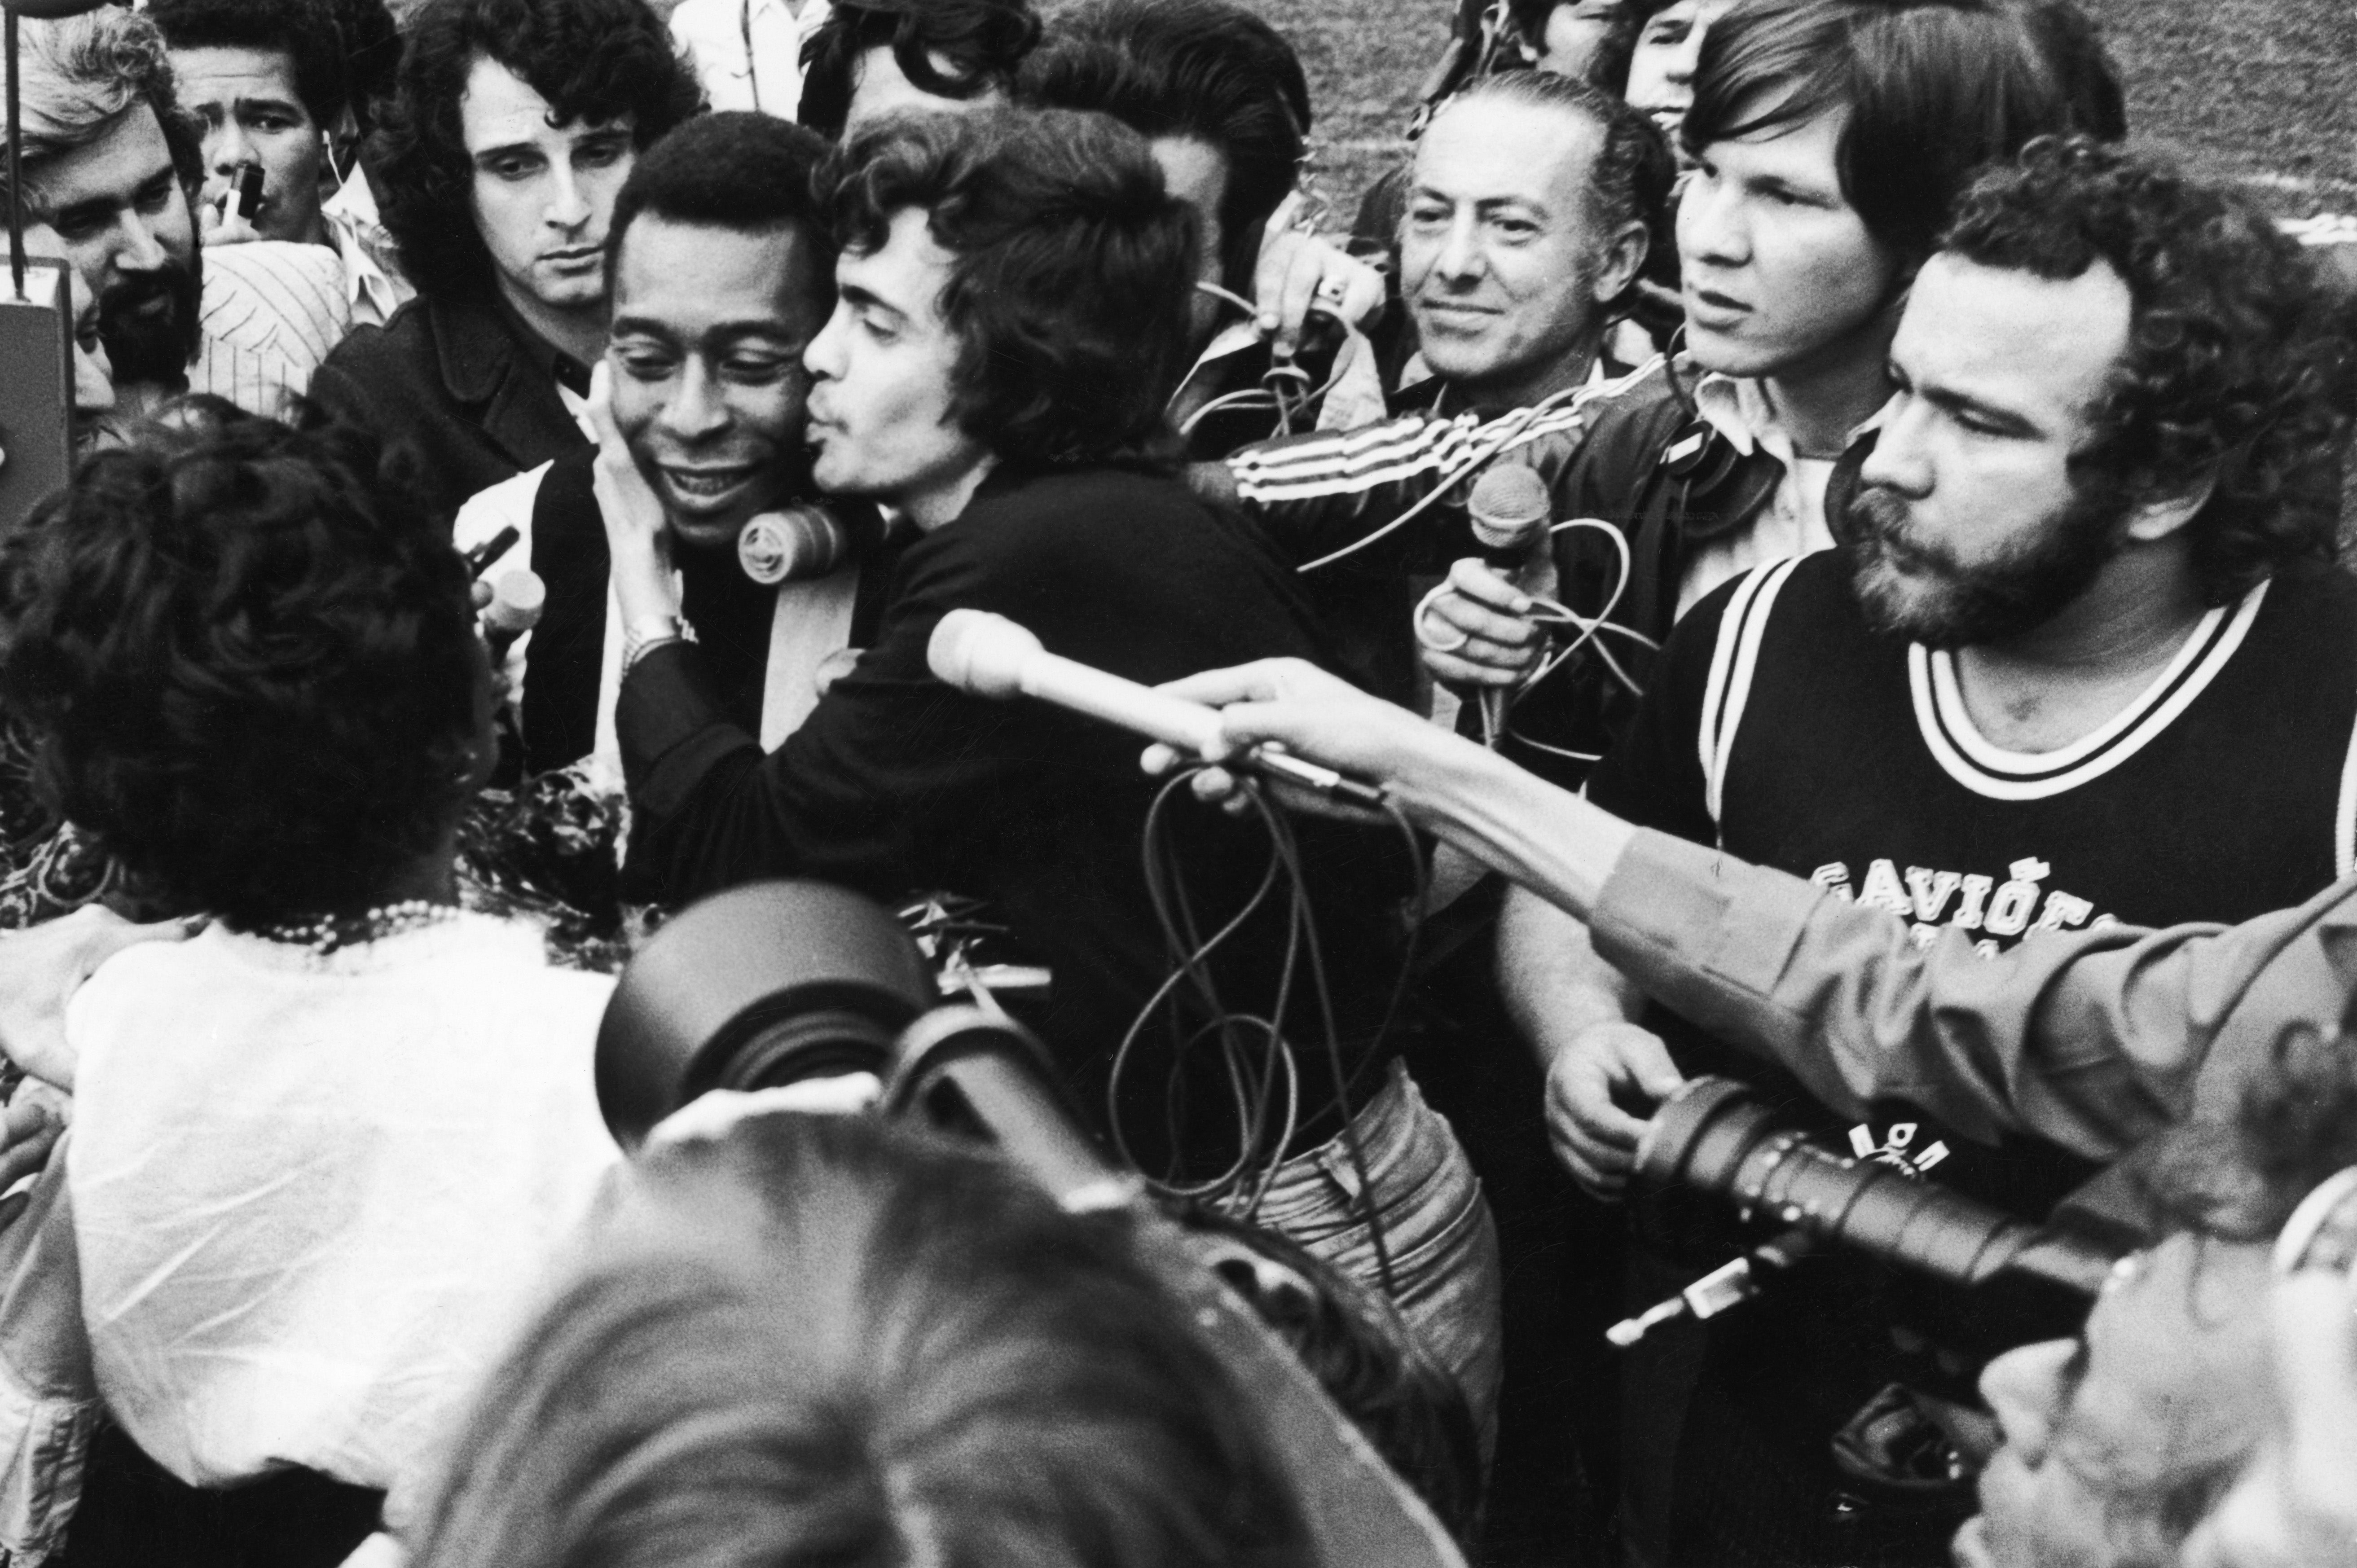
2154 519
1623 257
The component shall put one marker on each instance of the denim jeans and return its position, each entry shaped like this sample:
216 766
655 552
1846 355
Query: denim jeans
1436 1226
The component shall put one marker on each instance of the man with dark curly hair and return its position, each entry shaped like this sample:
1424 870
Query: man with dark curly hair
514 125
2081 656
1011 317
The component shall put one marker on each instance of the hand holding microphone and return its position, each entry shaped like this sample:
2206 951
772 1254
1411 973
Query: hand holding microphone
1474 628
990 656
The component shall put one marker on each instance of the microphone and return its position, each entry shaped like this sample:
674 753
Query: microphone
517 600
798 542
990 656
1510 513
1508 510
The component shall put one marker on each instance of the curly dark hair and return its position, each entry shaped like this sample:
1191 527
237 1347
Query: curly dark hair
291 26
247 664
594 60
1073 275
2235 373
982 40
1204 69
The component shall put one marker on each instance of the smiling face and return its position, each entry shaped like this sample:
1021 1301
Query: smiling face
2113 1442
879 410
542 194
245 99
710 326
1501 261
1780 275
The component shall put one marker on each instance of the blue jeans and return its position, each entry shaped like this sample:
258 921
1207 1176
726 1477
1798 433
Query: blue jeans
1436 1226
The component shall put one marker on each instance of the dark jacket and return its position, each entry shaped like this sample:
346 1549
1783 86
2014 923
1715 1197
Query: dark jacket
897 782
461 386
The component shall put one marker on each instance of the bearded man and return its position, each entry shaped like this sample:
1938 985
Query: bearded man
2082 656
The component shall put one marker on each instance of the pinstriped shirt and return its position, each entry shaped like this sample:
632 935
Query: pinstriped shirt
271 311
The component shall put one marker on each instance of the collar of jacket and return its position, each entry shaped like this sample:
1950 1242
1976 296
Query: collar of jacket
485 363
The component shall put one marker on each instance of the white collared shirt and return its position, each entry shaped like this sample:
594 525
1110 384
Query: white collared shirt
747 53
1793 521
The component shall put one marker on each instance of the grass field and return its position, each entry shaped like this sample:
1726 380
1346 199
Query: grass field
2264 91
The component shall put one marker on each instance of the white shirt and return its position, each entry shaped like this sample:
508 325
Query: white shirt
1793 521
271 310
312 1195
747 53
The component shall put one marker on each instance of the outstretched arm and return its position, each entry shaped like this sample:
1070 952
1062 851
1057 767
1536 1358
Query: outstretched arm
2091 1038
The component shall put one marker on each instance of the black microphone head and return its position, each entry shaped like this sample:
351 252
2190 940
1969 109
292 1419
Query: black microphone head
1510 503
762 985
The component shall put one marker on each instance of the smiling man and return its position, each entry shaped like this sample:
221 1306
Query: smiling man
515 126
723 274
1011 317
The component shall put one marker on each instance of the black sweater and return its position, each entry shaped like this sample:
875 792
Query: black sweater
898 782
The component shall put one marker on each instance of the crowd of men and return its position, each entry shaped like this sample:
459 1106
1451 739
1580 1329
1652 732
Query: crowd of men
1943 507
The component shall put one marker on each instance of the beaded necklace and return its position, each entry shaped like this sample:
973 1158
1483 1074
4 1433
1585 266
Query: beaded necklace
332 933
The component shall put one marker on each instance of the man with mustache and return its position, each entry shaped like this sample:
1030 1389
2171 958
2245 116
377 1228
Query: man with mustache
2084 657
112 166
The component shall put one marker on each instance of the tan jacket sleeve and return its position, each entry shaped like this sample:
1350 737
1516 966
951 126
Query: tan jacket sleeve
2091 1038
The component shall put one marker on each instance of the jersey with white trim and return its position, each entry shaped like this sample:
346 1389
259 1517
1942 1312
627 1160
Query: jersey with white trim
1781 728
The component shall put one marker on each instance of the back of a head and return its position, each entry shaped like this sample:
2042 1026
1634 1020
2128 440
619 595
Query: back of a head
79 75
1072 276
737 170
594 60
247 665
826 1340
1207 70
304 30
1931 90
949 48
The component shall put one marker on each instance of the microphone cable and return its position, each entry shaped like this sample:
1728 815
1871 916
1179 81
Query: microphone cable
1256 1061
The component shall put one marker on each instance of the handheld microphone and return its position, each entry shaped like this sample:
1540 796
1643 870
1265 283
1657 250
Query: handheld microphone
990 656
1510 511
517 600
798 542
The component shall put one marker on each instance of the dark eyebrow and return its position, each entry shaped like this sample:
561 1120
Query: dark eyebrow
505 148
859 298
1957 402
279 104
